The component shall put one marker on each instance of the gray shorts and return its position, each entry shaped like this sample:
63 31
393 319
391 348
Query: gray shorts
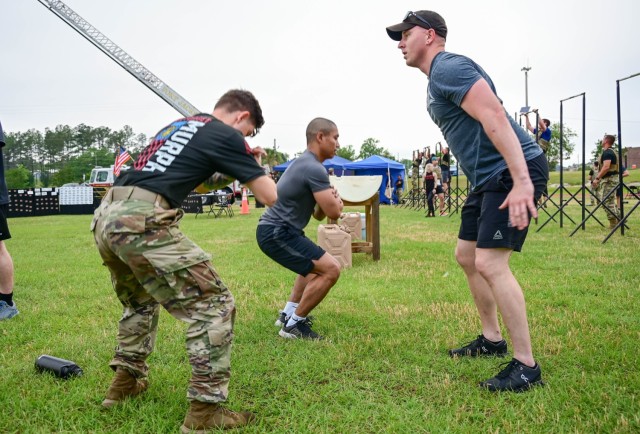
289 247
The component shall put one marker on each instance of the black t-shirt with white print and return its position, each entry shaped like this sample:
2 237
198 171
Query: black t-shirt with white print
187 152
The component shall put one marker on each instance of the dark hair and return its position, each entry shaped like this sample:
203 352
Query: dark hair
319 125
610 139
547 122
243 100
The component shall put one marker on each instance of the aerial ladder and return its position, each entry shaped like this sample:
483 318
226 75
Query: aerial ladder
118 55
133 67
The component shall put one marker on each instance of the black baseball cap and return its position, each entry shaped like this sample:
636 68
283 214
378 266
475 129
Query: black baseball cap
424 19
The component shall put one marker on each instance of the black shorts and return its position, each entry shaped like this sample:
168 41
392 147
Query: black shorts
4 227
446 175
439 189
489 226
289 247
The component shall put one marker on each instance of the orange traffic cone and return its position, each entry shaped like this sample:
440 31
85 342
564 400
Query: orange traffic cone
244 209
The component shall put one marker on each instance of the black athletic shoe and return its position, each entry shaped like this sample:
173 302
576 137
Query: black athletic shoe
300 330
282 320
481 347
515 377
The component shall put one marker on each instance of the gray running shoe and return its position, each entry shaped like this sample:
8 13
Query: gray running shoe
7 311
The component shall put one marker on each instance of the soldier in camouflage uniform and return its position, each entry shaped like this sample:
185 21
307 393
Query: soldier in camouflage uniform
152 264
439 190
415 172
593 172
606 179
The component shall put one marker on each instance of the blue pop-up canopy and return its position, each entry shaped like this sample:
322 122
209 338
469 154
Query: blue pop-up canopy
377 165
283 166
336 163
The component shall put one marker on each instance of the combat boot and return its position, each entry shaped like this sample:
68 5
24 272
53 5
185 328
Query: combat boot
204 416
124 384
613 222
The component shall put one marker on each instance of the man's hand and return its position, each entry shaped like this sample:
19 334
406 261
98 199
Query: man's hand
520 203
328 201
337 196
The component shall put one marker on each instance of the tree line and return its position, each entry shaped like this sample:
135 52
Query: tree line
67 154
64 154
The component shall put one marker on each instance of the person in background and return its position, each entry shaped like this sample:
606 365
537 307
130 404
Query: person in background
303 191
430 182
399 187
439 190
445 167
619 192
543 136
415 171
507 170
592 177
8 308
607 179
542 131
153 264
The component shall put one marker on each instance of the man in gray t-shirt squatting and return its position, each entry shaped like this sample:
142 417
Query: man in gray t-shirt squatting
303 191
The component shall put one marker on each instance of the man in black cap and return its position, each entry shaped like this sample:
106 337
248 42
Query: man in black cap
508 172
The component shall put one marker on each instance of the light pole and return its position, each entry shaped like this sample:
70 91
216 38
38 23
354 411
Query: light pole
526 70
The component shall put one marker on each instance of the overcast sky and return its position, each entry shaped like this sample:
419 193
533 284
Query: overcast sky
304 59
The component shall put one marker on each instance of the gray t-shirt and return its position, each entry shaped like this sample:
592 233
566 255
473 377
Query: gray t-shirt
294 207
450 78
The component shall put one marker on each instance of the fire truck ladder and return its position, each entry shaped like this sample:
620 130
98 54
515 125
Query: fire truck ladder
118 55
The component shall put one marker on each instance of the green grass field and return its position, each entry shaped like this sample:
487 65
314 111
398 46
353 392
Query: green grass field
383 367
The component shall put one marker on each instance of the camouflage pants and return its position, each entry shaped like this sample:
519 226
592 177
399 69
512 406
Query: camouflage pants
595 198
153 264
415 178
604 187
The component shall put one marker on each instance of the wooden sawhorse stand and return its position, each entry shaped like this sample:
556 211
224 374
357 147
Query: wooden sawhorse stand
372 219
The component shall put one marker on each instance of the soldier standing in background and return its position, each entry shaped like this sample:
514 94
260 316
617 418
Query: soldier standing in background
592 177
415 171
606 180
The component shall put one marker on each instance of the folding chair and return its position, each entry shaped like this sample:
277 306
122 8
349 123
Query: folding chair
221 202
